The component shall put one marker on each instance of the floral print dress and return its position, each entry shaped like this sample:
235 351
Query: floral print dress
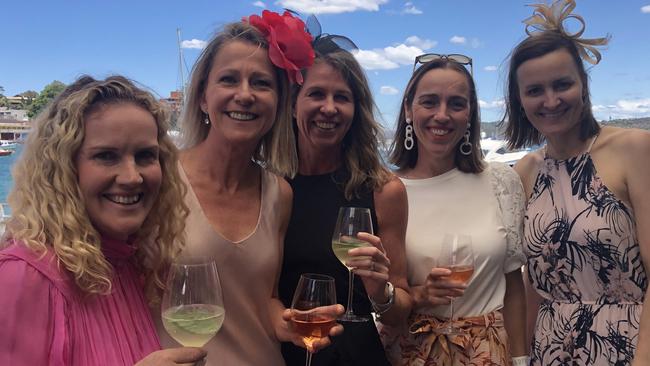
584 260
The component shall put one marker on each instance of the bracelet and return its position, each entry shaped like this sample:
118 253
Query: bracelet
382 308
520 361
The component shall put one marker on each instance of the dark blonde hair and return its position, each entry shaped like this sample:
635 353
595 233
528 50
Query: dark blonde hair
402 158
361 143
47 203
518 129
276 149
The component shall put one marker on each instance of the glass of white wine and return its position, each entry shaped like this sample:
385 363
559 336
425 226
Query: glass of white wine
457 255
309 318
192 305
351 221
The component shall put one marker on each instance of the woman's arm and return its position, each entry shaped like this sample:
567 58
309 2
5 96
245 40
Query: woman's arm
391 207
638 180
280 316
32 320
514 313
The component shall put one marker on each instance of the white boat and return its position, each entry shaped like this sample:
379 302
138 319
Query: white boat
497 150
8 144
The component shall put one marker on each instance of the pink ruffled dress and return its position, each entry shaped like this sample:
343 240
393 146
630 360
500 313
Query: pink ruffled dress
46 320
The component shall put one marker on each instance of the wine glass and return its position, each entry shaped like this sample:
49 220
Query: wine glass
457 255
192 305
308 317
350 222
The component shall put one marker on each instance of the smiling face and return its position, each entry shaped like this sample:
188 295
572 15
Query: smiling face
551 93
324 108
118 168
240 93
440 112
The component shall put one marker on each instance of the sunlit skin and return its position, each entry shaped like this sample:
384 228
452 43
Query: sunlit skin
324 111
241 93
551 93
119 169
440 113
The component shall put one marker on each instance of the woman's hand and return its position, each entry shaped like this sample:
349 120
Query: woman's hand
438 289
372 265
173 357
334 311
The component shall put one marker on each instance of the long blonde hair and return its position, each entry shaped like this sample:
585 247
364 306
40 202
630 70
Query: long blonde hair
48 209
276 149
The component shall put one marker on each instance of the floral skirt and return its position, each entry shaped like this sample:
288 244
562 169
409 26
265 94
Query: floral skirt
483 342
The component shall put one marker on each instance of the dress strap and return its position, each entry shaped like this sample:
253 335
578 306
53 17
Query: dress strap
593 140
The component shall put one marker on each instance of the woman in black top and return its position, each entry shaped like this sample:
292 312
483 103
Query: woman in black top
339 165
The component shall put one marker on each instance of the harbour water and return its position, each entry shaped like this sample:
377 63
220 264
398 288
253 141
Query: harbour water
6 163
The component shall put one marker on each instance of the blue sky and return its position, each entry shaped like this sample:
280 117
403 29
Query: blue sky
59 40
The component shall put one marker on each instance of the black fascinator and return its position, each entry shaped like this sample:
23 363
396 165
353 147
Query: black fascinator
325 43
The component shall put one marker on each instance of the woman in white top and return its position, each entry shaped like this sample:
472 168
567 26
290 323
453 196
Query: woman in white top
452 190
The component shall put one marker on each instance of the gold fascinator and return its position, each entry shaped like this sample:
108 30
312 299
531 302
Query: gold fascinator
551 18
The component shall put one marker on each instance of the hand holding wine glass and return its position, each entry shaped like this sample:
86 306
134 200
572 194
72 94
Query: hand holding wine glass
192 306
456 255
313 310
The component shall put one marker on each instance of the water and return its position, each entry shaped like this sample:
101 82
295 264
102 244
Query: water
6 182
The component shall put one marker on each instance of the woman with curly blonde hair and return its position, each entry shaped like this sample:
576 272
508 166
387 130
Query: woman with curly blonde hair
87 244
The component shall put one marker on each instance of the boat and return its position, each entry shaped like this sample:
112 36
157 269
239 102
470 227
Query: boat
8 144
497 150
5 152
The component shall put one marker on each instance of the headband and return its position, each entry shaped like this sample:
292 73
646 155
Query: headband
551 18
290 46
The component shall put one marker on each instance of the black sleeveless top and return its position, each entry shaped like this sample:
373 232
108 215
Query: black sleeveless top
308 249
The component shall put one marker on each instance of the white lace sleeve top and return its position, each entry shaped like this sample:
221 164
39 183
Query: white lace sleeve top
488 207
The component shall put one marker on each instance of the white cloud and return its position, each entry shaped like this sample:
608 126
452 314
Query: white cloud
374 60
402 54
458 40
259 4
194 43
495 104
409 8
624 108
330 6
418 42
490 68
387 58
476 43
388 90
645 9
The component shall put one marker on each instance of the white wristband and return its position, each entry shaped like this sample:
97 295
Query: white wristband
520 361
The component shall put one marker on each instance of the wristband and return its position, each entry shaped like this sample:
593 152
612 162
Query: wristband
520 361
382 308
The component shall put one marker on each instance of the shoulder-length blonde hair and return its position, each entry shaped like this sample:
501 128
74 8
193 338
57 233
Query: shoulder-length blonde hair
48 209
276 149
361 144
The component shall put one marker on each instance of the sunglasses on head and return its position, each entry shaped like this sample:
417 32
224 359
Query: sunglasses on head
428 57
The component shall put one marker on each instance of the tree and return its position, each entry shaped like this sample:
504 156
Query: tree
3 100
27 98
48 93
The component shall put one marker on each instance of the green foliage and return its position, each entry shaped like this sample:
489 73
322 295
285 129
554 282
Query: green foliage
48 93
27 98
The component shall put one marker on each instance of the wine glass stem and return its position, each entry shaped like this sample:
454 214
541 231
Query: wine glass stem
350 288
308 359
451 318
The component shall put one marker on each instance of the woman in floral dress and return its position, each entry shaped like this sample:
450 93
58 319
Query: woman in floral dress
586 246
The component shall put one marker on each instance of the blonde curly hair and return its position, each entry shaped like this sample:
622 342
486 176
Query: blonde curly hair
47 205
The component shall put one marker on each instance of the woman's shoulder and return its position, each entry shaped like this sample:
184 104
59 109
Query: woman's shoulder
628 141
20 263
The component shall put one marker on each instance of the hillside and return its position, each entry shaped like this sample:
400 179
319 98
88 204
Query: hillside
490 128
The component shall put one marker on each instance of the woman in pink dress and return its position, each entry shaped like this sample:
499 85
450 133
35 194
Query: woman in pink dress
586 232
97 176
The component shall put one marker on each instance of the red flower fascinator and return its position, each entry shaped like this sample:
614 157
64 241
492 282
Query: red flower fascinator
290 45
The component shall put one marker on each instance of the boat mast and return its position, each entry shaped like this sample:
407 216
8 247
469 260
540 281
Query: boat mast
181 64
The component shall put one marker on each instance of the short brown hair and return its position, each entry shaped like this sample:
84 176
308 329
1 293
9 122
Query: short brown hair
402 158
518 129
